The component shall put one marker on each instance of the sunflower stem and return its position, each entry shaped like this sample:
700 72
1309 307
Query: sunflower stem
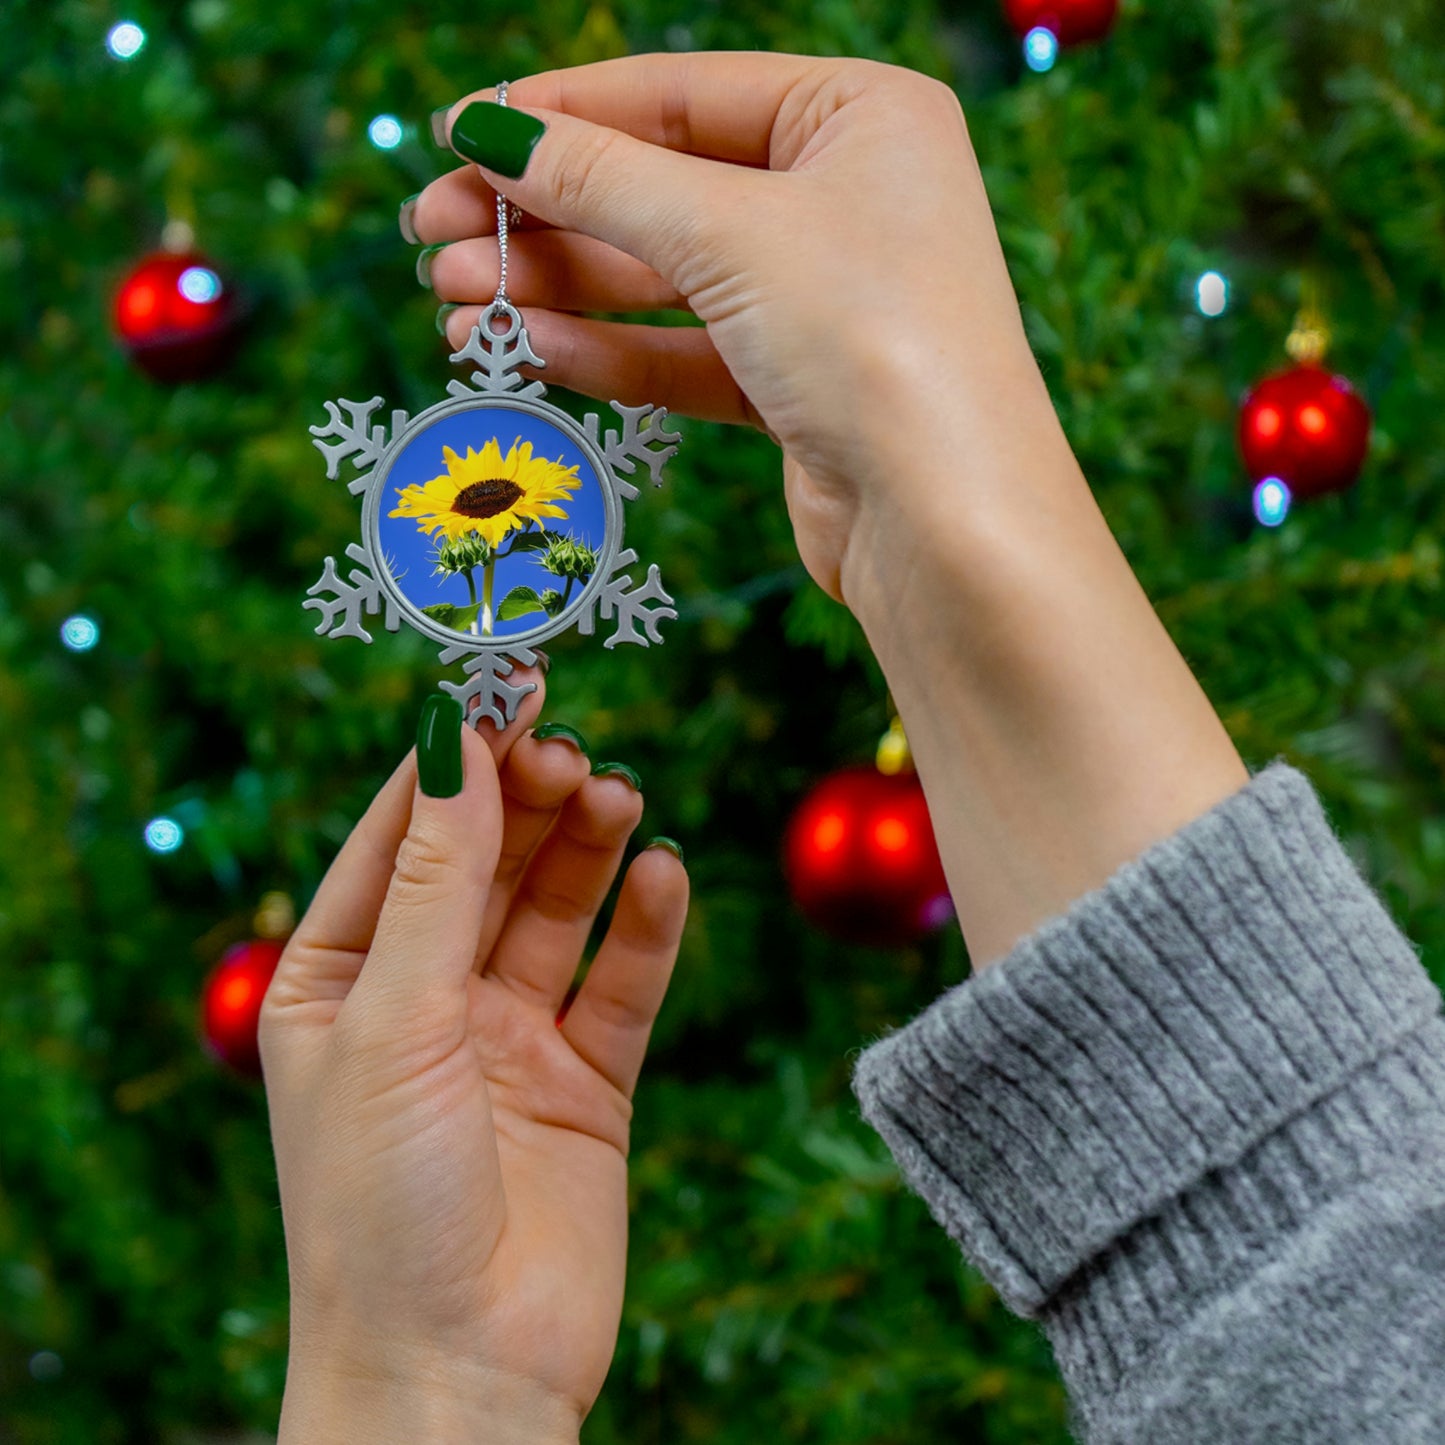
472 593
487 578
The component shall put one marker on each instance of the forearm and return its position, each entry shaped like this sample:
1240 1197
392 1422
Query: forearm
1057 730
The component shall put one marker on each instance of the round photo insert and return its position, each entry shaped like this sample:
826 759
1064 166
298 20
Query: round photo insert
491 522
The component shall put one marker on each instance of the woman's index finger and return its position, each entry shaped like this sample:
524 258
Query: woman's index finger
722 105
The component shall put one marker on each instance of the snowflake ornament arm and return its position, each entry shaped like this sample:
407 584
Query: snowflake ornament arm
350 600
630 603
360 441
643 438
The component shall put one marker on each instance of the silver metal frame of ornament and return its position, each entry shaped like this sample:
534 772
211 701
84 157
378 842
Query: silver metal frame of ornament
371 524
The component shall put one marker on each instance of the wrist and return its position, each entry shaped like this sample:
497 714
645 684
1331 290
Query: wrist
405 1396
949 483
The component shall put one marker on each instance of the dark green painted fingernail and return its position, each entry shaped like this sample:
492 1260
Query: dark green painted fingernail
439 747
443 311
543 661
496 136
671 844
423 262
620 770
404 219
439 126
561 730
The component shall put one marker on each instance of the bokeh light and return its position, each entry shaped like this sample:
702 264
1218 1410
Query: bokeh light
126 40
385 132
1041 48
1271 502
46 1365
1211 293
164 835
80 633
199 284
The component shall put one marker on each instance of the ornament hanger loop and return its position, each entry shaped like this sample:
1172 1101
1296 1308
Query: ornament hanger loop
506 311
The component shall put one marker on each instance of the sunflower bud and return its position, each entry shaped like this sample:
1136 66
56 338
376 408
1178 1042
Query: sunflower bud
461 554
567 557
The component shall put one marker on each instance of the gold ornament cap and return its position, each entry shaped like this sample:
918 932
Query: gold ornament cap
894 755
275 916
1310 339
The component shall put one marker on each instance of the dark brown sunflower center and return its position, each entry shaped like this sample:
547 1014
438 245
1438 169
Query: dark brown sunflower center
486 499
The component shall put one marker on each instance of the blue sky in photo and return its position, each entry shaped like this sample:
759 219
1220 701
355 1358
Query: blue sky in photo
409 550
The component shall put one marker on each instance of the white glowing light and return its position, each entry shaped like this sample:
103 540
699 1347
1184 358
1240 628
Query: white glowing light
126 40
1212 294
164 835
80 633
1271 502
199 284
1041 48
385 132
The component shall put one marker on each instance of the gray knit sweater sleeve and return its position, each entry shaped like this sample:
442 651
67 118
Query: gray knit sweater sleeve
1196 1127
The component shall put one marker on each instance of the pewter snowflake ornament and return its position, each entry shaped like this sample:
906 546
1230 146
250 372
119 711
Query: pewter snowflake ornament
492 521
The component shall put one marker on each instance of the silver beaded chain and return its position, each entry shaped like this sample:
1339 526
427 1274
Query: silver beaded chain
501 300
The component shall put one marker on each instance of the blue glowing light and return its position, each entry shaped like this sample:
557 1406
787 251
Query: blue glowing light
1211 294
1271 502
80 633
385 132
164 835
1041 48
126 40
199 284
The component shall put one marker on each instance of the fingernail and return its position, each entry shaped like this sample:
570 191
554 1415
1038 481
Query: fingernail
443 311
496 136
561 730
671 844
439 126
439 747
423 262
404 219
619 770
543 661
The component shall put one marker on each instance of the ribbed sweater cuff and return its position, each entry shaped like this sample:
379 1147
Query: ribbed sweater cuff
1226 981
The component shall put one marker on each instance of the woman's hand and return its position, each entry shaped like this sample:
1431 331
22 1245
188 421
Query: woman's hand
452 1160
827 221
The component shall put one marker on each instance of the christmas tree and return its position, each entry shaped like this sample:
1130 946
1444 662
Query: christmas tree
178 744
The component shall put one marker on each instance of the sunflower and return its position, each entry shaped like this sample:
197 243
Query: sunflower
488 494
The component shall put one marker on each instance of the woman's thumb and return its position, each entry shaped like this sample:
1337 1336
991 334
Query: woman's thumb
654 203
426 935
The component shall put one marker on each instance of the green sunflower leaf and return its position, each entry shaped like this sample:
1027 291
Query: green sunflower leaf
518 603
459 619
525 542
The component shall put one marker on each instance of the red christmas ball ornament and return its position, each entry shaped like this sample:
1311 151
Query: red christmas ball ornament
1306 426
861 860
231 1003
1071 22
176 317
